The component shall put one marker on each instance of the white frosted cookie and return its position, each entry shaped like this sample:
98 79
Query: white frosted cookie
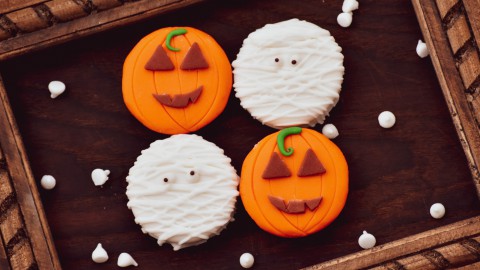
182 190
289 74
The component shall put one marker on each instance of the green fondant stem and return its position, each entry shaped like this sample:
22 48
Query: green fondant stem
281 139
176 32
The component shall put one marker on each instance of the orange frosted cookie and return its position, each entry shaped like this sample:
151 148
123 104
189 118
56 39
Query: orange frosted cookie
176 80
294 182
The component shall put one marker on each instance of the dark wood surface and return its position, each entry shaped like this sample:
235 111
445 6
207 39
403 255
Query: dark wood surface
396 174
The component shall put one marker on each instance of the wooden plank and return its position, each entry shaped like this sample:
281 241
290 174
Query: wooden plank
430 243
12 5
444 6
4 191
27 225
61 20
27 20
458 33
472 8
469 68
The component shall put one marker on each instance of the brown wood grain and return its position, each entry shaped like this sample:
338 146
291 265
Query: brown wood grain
473 12
396 174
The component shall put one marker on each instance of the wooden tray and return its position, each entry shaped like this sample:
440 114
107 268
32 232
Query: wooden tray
25 233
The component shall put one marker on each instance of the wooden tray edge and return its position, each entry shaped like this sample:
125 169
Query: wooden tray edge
54 22
27 241
453 85
454 245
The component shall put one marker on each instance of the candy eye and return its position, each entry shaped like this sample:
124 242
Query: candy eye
192 173
277 60
294 62
165 180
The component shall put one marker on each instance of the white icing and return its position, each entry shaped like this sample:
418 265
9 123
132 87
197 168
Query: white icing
188 209
422 49
345 19
437 210
386 119
330 131
281 94
247 260
349 5
48 182
56 88
99 176
99 255
366 240
126 260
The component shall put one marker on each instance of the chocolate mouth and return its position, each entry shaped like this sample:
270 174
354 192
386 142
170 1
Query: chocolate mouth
294 206
180 100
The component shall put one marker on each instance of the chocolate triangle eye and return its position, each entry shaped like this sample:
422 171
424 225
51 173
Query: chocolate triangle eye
310 165
194 59
159 61
276 168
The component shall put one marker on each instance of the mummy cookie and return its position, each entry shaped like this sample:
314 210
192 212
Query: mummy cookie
182 190
289 74
176 80
294 182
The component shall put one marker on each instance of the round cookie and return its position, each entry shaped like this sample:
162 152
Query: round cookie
289 74
176 80
294 182
182 190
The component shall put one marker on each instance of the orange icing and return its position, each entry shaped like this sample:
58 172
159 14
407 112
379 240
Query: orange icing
331 186
139 84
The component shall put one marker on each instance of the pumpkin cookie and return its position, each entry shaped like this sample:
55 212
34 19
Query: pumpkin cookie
182 190
176 80
294 182
289 74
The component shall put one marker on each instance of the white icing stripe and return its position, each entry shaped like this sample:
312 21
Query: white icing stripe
281 94
187 209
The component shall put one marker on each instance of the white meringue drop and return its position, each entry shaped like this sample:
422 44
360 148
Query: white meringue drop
100 176
99 255
349 5
247 260
386 119
345 19
437 210
48 182
56 88
367 240
330 131
125 260
422 49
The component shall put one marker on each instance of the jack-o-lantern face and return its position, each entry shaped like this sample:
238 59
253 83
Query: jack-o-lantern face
176 80
298 191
